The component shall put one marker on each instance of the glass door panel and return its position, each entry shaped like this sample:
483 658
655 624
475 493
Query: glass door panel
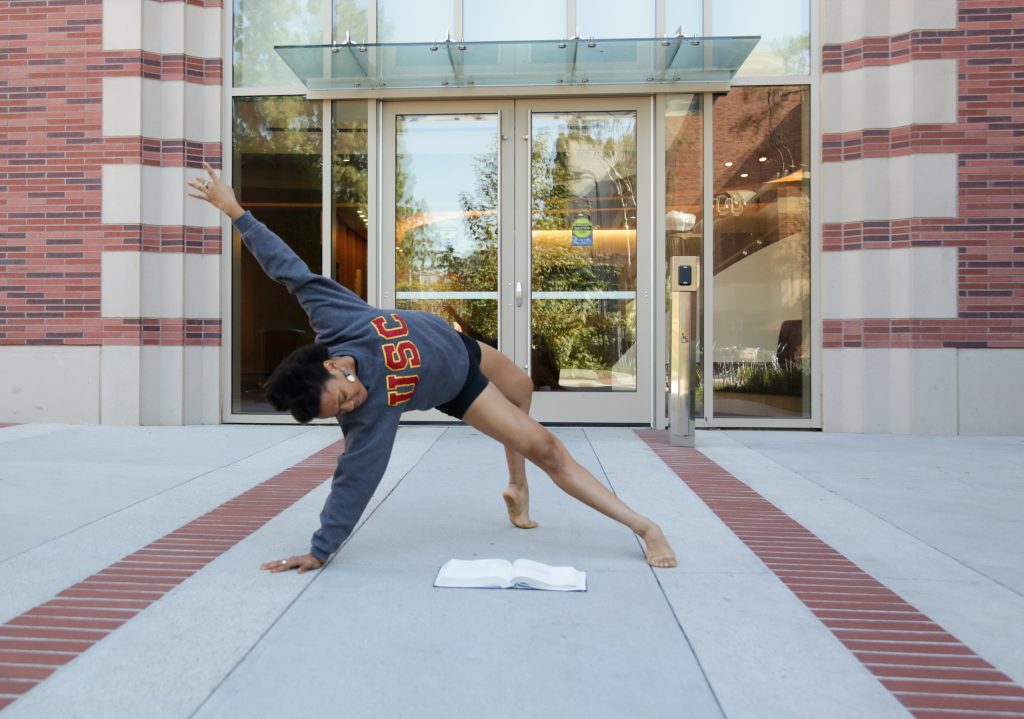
583 247
526 225
446 218
583 258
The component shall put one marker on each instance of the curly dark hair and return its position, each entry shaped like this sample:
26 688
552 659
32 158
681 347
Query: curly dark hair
298 381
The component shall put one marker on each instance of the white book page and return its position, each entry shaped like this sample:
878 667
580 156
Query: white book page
534 575
482 573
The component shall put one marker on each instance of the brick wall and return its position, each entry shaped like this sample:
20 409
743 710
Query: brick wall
987 226
52 151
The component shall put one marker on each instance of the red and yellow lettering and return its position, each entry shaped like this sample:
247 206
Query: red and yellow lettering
401 389
390 332
402 355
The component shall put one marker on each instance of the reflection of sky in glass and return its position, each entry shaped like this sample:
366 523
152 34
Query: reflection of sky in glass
439 153
614 18
688 13
414 20
520 20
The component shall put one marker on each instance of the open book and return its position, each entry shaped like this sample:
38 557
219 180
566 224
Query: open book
502 574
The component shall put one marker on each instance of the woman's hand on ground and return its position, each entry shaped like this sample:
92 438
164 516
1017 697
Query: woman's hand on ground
214 191
301 562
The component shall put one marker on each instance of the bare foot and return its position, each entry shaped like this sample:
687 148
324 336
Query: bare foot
659 553
518 502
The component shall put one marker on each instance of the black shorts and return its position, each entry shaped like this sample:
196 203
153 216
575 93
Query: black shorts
472 387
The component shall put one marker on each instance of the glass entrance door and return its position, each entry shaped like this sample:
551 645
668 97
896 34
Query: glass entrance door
527 226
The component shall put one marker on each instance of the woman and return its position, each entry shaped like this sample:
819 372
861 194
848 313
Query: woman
369 365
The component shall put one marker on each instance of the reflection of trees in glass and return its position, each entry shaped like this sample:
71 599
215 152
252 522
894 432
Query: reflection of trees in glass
350 17
417 239
261 24
584 334
477 269
351 161
795 53
277 125
277 141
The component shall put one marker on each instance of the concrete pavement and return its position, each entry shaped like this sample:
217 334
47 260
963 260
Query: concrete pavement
937 521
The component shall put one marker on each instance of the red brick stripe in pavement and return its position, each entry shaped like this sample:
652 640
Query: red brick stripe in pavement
931 672
38 642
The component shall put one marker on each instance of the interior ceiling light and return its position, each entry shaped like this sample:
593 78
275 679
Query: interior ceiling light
729 164
762 159
745 174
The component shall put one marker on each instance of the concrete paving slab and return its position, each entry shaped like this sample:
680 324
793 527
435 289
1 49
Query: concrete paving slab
381 642
427 652
719 636
167 660
58 481
701 541
963 496
195 635
764 653
451 507
982 613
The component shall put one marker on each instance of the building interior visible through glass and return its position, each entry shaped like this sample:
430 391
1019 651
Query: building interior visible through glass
761 244
582 176
278 152
583 239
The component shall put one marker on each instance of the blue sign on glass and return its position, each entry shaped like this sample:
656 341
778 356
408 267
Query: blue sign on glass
582 232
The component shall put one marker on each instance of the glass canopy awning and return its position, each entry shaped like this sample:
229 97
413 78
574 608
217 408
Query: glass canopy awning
577 61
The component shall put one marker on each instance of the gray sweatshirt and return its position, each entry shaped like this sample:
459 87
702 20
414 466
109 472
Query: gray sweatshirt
406 359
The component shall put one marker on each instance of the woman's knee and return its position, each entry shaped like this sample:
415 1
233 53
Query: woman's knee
548 453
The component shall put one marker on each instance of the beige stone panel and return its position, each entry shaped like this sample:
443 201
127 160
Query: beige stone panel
162 116
203 31
202 112
991 392
201 385
917 92
892 188
163 284
122 106
848 20
163 28
162 388
202 286
121 284
889 391
50 384
120 385
122 24
163 195
122 194
903 282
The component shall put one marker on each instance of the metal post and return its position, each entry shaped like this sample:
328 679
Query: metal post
684 282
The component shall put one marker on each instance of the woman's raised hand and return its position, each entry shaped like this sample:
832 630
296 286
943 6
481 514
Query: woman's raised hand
214 191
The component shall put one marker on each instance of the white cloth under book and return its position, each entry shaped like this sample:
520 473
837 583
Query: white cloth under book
503 574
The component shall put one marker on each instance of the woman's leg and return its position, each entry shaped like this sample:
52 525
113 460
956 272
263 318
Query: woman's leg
517 388
497 417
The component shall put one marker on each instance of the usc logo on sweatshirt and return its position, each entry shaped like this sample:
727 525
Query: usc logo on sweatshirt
400 355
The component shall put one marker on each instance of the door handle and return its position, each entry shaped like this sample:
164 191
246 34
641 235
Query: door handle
519 294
